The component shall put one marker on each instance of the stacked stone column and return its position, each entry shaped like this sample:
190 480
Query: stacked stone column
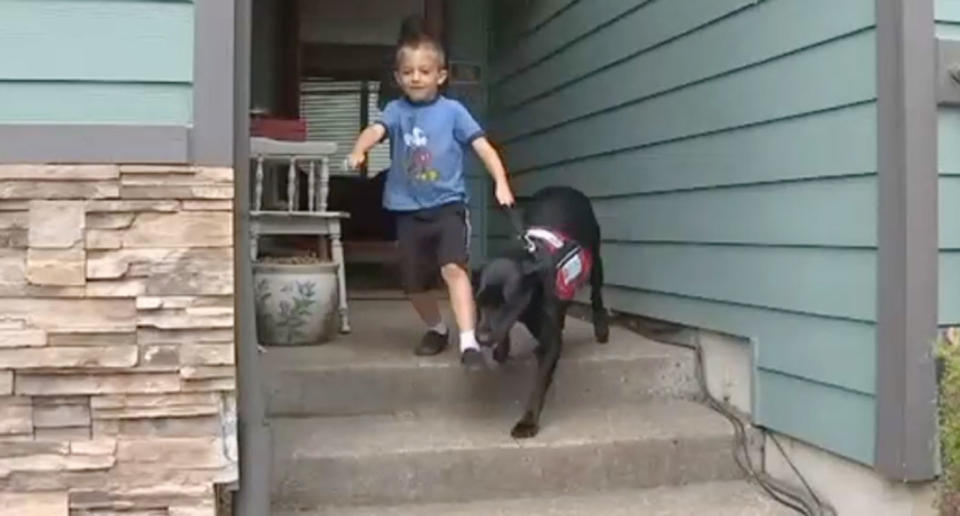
117 374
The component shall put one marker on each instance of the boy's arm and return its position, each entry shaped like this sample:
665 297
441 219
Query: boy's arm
367 139
494 165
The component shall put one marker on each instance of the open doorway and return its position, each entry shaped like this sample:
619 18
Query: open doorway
321 72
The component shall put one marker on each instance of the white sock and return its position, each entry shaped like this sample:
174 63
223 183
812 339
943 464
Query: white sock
440 328
468 340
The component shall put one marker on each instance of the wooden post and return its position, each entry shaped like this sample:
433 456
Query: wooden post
324 182
312 186
258 195
292 185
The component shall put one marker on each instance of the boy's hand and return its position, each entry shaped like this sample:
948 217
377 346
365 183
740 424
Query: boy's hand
492 161
355 160
367 139
504 195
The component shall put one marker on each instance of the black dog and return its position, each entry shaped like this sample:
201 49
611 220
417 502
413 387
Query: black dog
534 285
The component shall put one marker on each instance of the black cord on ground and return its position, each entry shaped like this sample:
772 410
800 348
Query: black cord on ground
741 451
786 495
826 508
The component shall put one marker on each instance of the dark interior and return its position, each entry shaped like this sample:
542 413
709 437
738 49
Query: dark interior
286 58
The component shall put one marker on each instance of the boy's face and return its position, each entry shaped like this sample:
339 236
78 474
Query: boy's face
420 74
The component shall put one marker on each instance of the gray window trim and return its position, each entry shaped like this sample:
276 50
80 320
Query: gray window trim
906 422
208 142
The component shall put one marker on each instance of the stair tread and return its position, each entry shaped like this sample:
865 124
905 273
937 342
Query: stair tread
484 427
385 333
714 498
362 421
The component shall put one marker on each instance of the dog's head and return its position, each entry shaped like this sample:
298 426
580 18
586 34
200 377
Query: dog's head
504 288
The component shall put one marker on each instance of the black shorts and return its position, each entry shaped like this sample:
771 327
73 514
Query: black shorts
428 240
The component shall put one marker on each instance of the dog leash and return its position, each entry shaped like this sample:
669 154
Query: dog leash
517 222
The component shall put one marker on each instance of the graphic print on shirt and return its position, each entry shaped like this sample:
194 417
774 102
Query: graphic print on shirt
419 159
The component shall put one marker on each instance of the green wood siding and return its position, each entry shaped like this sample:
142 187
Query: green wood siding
467 41
730 149
948 26
96 61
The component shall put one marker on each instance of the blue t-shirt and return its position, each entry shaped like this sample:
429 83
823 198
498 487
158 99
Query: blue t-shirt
426 152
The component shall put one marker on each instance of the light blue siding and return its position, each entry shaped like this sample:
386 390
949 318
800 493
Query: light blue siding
801 148
818 352
730 149
813 348
948 17
828 282
789 87
644 41
96 61
948 26
95 103
528 21
829 213
832 415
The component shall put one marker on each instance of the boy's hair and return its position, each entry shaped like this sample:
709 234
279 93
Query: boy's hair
414 35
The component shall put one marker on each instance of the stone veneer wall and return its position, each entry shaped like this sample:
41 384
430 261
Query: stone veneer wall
117 374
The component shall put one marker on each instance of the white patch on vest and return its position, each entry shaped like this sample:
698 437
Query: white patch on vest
571 270
548 236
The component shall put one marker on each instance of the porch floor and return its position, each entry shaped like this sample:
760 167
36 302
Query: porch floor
386 329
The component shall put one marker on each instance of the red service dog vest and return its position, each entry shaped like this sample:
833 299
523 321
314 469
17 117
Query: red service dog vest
571 262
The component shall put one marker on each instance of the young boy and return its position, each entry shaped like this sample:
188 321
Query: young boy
425 187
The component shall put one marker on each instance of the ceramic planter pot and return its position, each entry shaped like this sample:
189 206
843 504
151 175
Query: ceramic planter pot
296 304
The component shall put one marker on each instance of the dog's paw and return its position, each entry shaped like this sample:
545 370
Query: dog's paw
602 332
501 353
525 429
601 326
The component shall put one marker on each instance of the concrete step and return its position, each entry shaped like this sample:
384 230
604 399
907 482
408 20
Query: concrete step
373 370
712 498
468 455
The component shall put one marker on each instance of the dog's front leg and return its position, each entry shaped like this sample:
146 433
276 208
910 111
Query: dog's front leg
548 353
501 352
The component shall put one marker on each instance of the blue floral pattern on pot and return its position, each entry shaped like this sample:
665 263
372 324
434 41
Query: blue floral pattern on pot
295 305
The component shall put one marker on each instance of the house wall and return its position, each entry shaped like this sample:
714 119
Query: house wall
96 61
730 151
948 27
467 42
117 378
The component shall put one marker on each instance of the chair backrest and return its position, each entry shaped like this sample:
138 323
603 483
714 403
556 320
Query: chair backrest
267 151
